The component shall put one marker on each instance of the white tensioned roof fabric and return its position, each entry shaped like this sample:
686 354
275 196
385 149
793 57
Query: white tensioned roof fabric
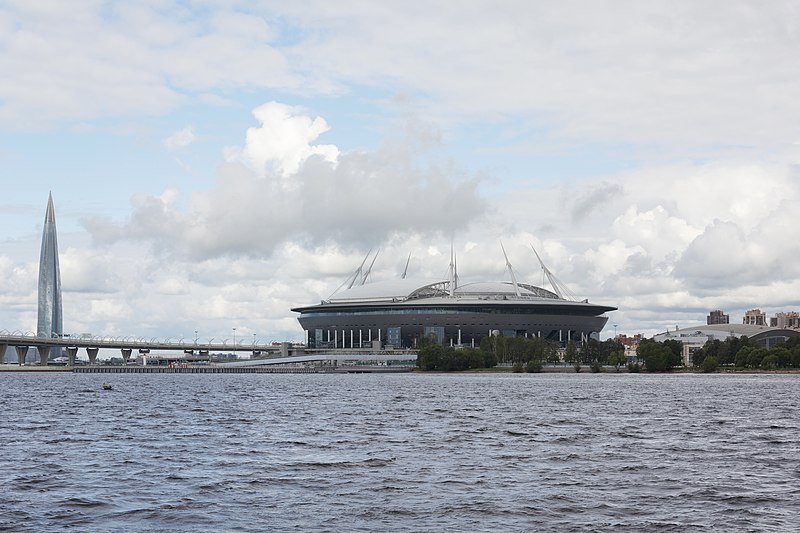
384 290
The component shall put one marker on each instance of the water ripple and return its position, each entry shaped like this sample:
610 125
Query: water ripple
276 452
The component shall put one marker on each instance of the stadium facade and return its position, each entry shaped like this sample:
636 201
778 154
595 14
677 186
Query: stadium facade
50 321
398 313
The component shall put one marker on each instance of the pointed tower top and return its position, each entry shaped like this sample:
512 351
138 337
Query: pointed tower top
50 215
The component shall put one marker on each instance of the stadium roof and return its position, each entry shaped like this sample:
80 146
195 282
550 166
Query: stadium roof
390 290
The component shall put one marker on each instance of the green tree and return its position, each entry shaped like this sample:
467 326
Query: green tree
699 356
756 357
534 365
712 348
489 360
657 357
709 364
491 345
608 347
551 354
795 357
783 356
429 357
769 362
617 358
474 357
675 352
742 356
589 351
571 353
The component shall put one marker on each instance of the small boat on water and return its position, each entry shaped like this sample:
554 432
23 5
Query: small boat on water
106 386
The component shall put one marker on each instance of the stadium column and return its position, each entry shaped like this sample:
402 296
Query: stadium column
71 353
92 353
44 351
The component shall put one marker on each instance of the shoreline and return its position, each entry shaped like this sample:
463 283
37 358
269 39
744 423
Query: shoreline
102 369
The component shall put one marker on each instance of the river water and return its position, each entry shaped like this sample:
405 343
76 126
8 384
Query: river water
406 452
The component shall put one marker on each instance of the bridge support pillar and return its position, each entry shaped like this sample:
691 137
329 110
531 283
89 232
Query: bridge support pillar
71 353
44 352
126 354
92 353
3 348
22 351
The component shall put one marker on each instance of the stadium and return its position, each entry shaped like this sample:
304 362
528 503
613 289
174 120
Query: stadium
398 313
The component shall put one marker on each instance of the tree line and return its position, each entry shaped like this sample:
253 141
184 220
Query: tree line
523 353
529 354
739 352
742 352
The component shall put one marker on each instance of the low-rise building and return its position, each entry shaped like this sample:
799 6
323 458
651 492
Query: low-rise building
694 338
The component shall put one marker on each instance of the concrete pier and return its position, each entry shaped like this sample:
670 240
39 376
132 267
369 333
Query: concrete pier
71 353
22 351
44 353
92 353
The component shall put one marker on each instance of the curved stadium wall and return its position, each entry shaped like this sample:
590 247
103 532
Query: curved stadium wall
401 312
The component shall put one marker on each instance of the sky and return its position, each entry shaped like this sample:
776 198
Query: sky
214 164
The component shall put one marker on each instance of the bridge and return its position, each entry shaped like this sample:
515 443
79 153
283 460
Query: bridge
259 353
127 346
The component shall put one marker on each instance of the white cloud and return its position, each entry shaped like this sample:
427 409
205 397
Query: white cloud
676 74
130 59
180 139
282 143
701 99
357 198
635 72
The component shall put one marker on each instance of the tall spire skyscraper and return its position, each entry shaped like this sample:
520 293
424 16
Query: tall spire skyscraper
50 317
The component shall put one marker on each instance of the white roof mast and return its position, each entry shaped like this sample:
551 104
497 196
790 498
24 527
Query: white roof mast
510 270
560 289
405 270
